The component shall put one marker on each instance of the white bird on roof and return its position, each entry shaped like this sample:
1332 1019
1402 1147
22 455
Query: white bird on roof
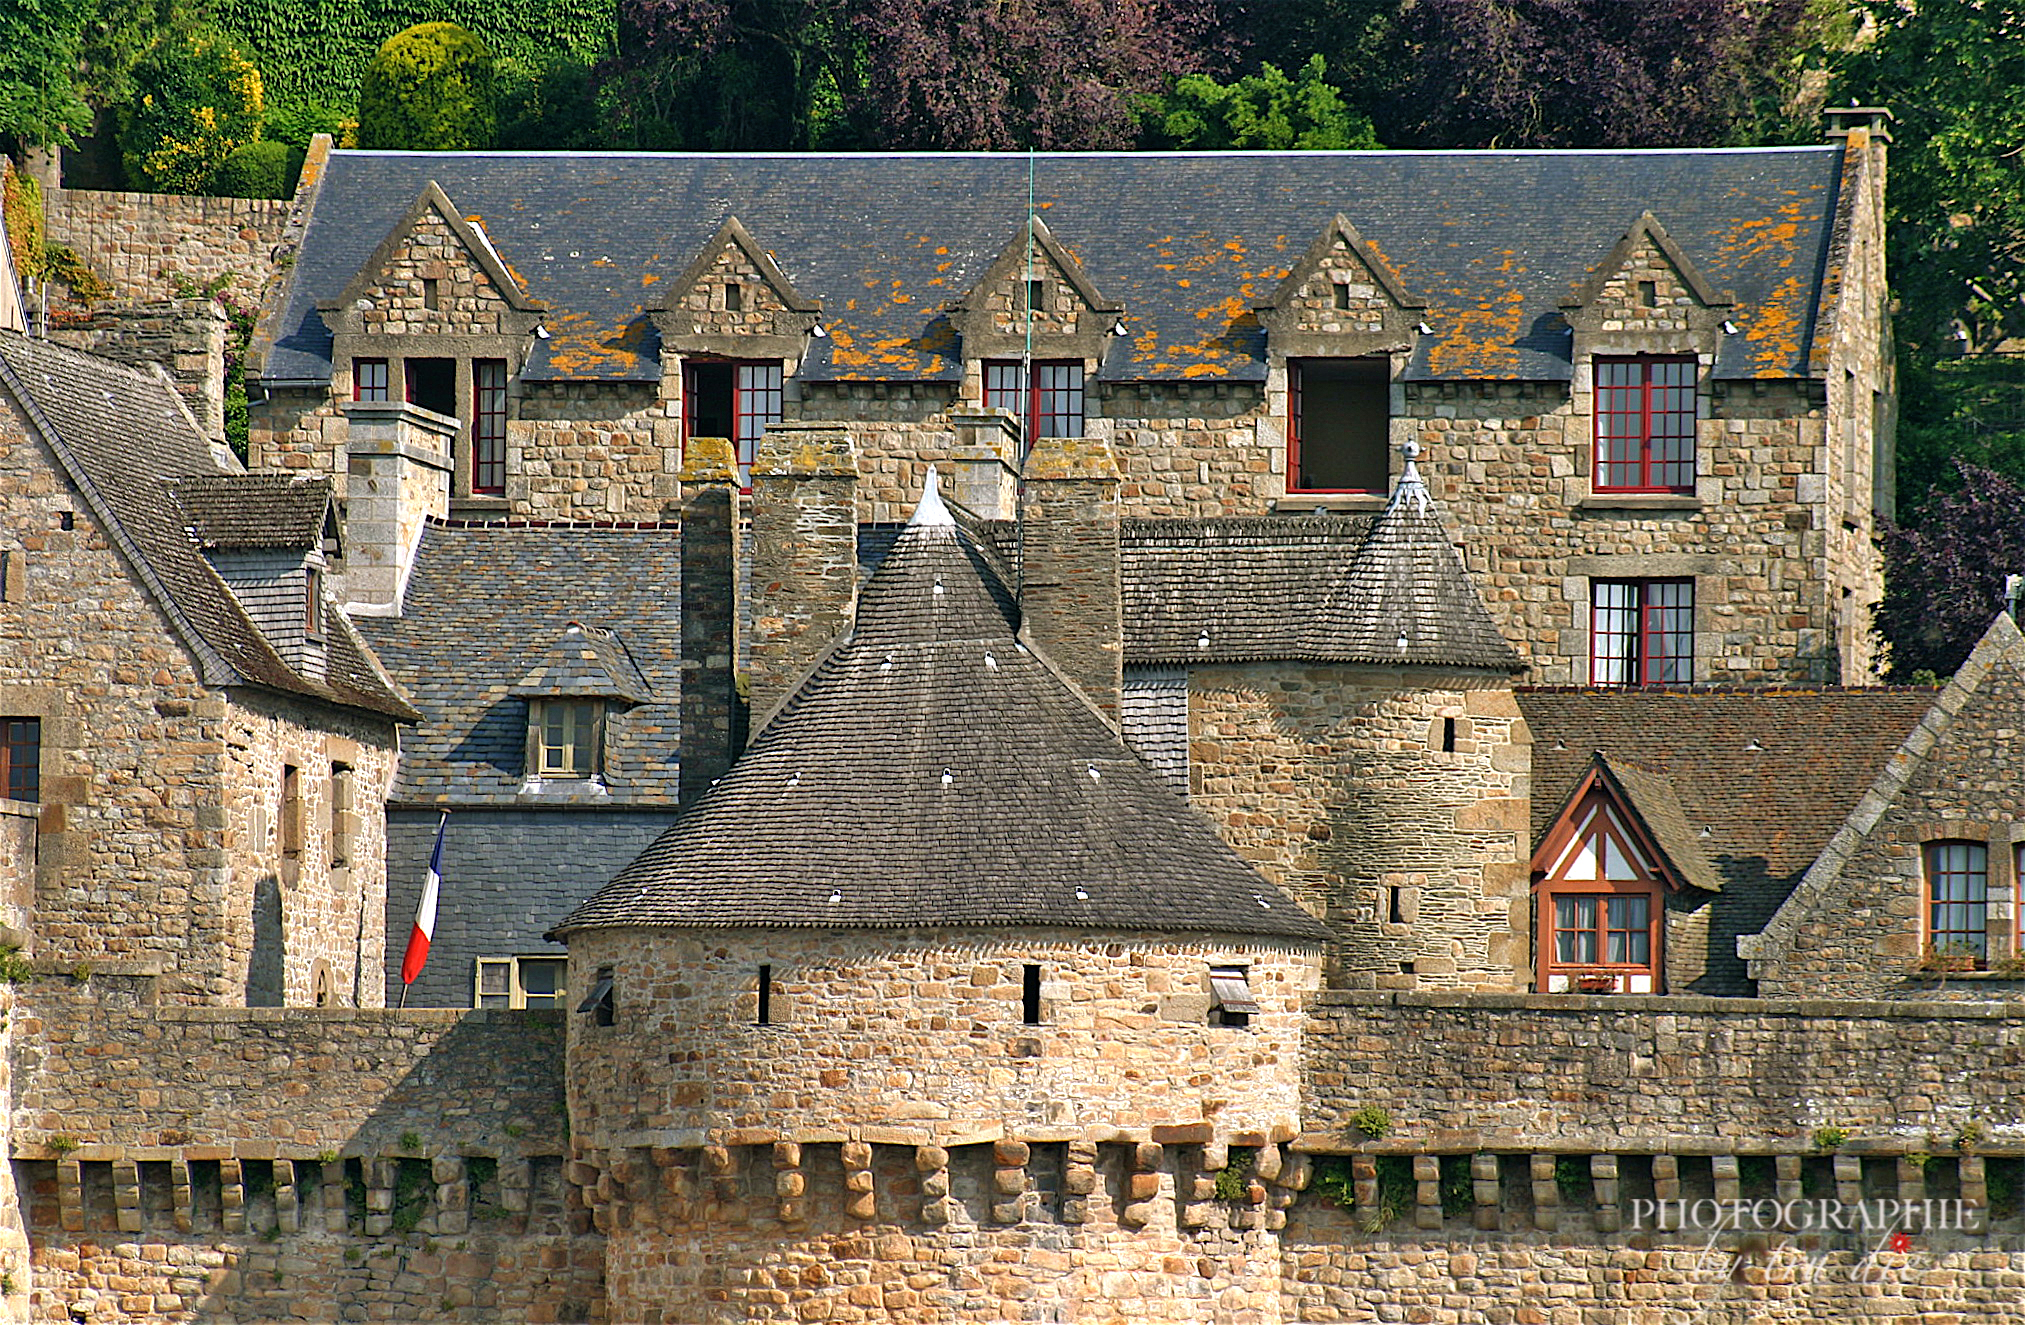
929 512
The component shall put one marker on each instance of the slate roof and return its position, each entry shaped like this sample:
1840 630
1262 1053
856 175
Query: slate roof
254 510
486 605
125 439
586 661
1770 773
1190 243
934 770
1655 800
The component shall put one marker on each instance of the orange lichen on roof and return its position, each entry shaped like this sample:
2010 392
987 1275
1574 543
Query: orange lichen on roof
926 355
582 346
649 278
1773 332
1482 341
1763 236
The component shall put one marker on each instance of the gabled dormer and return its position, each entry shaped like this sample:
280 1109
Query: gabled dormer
734 300
1035 281
575 687
1646 296
270 538
1341 299
436 271
1603 874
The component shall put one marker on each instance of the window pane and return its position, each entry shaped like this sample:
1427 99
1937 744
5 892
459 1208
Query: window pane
1668 637
21 750
1613 632
1060 406
488 426
1630 933
757 404
369 379
1645 424
1958 875
583 722
1574 929
541 982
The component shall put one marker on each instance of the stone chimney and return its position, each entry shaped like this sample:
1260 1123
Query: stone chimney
804 552
987 463
710 726
1069 590
1873 121
398 475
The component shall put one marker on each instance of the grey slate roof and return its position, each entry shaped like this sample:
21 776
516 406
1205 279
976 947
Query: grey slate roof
1189 243
1656 801
1770 773
485 605
254 510
124 439
934 770
586 661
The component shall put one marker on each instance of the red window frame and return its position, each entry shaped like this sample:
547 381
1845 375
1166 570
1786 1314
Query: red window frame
1957 911
488 425
1645 424
21 758
1596 834
1296 410
1049 402
369 379
1641 632
758 390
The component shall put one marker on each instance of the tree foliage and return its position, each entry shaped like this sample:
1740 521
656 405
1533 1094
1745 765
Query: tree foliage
266 169
1944 578
197 98
1266 110
41 43
430 89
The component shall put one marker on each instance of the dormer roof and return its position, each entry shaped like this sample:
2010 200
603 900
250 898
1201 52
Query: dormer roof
433 201
584 662
1648 806
935 769
248 511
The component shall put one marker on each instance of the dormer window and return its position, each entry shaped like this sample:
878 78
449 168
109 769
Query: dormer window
734 400
567 737
312 603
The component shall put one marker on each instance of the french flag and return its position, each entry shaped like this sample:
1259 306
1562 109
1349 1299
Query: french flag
425 914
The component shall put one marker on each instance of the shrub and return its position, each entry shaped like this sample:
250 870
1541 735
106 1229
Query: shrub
197 99
1830 1138
258 170
429 89
1373 1121
1233 1180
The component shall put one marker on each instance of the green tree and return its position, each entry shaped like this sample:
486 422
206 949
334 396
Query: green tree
198 98
41 43
1266 110
552 107
430 89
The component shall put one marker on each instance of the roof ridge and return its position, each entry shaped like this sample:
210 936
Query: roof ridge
516 522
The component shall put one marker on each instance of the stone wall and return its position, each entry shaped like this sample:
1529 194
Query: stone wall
1334 783
185 336
1615 1072
920 1035
138 240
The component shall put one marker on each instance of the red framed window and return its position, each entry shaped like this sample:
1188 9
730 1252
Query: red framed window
1645 425
1958 899
1641 632
735 400
21 758
1338 423
488 425
369 379
1053 407
1599 908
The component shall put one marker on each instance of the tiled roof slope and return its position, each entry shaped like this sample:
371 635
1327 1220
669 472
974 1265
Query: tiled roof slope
933 770
254 510
1406 598
1190 244
125 439
586 661
1657 802
484 606
1769 773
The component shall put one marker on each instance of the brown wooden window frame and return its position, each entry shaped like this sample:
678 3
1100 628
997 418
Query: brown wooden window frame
1599 829
1967 916
21 759
488 426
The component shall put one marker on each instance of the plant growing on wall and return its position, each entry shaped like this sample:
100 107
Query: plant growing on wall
1373 1121
429 89
197 99
1233 1180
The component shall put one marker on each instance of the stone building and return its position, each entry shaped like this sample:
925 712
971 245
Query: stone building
1171 872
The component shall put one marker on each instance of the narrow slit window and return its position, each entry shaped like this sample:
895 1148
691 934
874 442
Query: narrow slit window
765 1017
1395 911
600 1003
1030 996
1342 293
432 293
21 758
734 298
1037 297
1448 735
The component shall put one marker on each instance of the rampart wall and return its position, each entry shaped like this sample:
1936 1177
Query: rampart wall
137 240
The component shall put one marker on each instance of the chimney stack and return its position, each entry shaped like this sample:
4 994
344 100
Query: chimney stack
709 613
804 552
398 476
987 463
1069 578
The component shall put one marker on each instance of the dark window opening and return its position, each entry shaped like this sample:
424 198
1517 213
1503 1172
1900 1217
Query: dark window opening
1030 996
21 757
291 810
1342 291
1339 412
432 384
1037 296
1642 632
734 298
1231 996
1406 968
543 981
1054 406
369 379
1648 294
312 602
1395 911
601 1002
765 1017
1448 735
488 425
66 520
734 400
432 293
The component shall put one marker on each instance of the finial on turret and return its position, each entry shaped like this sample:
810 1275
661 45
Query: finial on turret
1410 486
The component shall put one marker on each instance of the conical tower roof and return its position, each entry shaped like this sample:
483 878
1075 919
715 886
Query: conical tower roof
934 770
1406 598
